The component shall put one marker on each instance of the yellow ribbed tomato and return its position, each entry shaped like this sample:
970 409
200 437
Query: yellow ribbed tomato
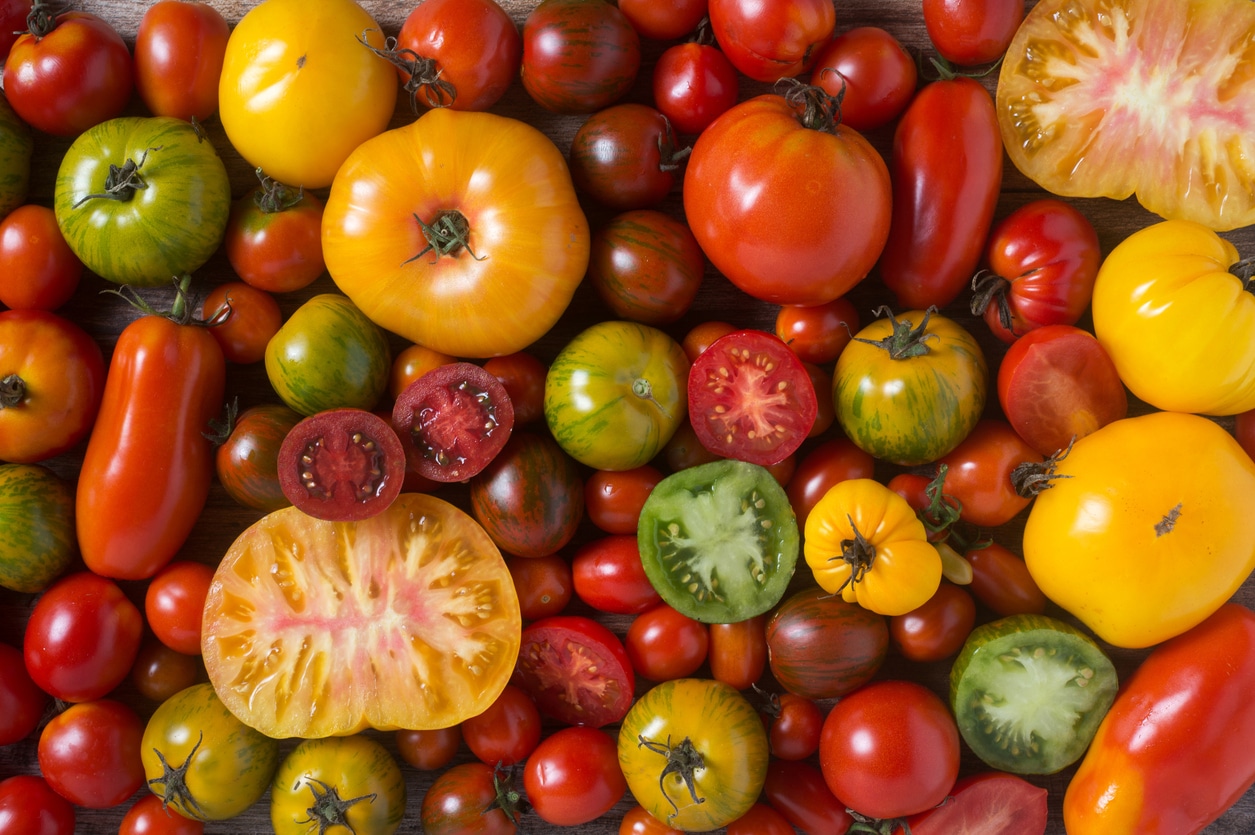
1177 323
864 542
1144 532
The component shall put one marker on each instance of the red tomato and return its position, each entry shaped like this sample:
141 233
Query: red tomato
29 806
89 753
1043 259
833 461
969 32
664 644
637 821
613 498
818 333
794 724
646 266
693 85
578 55
247 462
273 238
175 602
797 789
22 702
664 21
770 41
937 629
761 819
738 651
978 474
414 361
873 73
507 732
159 672
178 58
150 816
38 270
576 670
470 797
608 575
890 749
12 23
1001 581
429 750
825 415
573 776
524 379
625 157
947 172
544 584
242 318
991 803
1244 431
81 637
702 336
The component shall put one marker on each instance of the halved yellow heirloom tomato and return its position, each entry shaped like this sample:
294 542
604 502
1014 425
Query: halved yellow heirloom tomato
460 232
408 619
1110 98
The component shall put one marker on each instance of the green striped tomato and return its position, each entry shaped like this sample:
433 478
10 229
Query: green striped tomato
142 199
16 147
36 527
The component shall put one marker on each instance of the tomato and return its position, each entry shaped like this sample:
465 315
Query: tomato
576 670
825 412
1057 383
443 599
203 761
1002 581
578 55
159 672
22 702
1126 506
872 72
625 157
664 21
37 517
70 70
471 797
818 333
326 79
438 259
29 806
972 31
766 186
890 749
908 390
1089 106
936 629
149 816
174 603
979 471
328 355
614 395
544 584
1172 310
429 749
638 821
770 42
243 319
646 266
761 819
523 376
247 461
38 270
613 498
823 466
90 753
1043 259
346 781
608 576
1244 431
694 753
750 398
821 647
684 450
16 149
701 336
693 84
12 20
664 644
991 802
793 726
947 171
273 237
798 790
140 199
507 731
738 651
573 776
179 50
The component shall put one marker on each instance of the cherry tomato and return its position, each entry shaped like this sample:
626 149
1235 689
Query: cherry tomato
794 724
978 473
175 602
573 776
544 584
761 819
738 651
684 450
646 266
274 237
159 672
638 821
833 461
872 72
613 498
797 789
429 750
1001 581
411 363
90 753
29 806
937 629
523 376
578 55
694 84
22 702
969 32
770 41
625 157
178 58
243 318
247 462
38 270
664 21
507 732
150 816
818 333
664 644
608 575
470 797
826 414
702 336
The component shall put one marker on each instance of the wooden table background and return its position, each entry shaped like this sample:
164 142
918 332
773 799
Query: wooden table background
105 316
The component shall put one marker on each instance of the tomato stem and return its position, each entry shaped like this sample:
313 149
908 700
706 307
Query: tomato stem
422 74
274 196
42 19
683 759
643 389
174 780
180 310
990 288
121 183
448 233
329 808
876 826
943 510
905 341
1245 271
12 391
506 797
1032 477
858 553
819 110
668 156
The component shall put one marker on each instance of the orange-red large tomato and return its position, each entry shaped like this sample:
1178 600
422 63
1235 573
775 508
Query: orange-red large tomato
407 619
460 232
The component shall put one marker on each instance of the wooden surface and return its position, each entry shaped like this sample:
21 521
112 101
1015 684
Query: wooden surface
105 316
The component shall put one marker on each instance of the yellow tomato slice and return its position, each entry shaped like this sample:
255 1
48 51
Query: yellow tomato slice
408 619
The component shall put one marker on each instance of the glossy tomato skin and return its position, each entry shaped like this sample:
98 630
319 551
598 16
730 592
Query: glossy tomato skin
178 58
608 576
646 266
936 629
625 157
798 790
22 702
638 821
160 672
29 806
664 644
613 498
802 633
978 473
873 73
573 776
576 670
428 750
818 333
507 731
90 753
360 771
968 32
476 46
738 651
664 21
794 724
544 585
12 23
1002 581
693 85
273 238
523 376
148 816
768 42
822 467
466 799
175 601
38 270
578 55
247 462
947 171
1002 802
244 319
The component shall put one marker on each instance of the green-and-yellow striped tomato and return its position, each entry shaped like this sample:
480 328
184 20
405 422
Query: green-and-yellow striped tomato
340 782
36 527
142 199
16 147
909 389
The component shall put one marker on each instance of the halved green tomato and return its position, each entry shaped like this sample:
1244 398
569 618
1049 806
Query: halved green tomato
408 619
719 541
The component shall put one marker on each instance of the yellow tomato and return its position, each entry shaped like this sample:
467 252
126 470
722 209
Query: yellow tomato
865 542
1178 325
299 92
1146 531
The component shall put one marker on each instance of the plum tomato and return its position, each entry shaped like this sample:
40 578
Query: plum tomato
175 602
978 473
608 576
544 584
738 651
274 237
831 462
507 731
38 270
613 498
967 32
179 50
578 55
646 266
817 333
523 376
937 629
242 319
576 670
341 465
626 157
90 753
694 83
663 644
871 71
770 41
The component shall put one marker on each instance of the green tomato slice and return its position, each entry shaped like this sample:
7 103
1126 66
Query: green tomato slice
719 541
1029 691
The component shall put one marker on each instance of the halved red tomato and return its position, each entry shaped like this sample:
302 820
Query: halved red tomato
576 670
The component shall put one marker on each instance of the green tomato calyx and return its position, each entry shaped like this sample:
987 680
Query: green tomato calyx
174 780
859 553
447 234
905 341
329 808
421 74
121 183
683 759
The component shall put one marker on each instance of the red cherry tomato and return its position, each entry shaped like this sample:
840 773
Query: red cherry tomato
608 575
38 270
175 602
664 644
507 732
573 776
693 85
274 237
625 157
978 473
937 629
770 41
702 336
414 361
818 333
544 584
968 32
637 821
29 806
613 498
761 819
524 379
429 750
90 753
243 319
664 21
1001 581
794 724
150 816
178 58
873 73
738 651
22 702
822 467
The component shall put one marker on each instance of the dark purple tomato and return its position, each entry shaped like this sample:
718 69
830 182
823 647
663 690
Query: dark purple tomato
821 647
247 462
646 266
578 55
625 157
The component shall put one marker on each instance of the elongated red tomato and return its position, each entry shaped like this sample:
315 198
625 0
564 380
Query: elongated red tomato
946 169
147 469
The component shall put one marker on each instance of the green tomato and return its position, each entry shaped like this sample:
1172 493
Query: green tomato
328 355
340 783
36 527
16 148
141 200
616 394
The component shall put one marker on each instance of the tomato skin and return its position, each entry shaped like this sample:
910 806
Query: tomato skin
578 55
1002 803
22 702
794 724
244 318
818 333
797 789
178 58
761 819
624 157
362 773
507 731
646 266
90 753
693 85
573 776
523 376
544 584
475 44
608 576
946 169
968 32
247 462
1002 581
664 644
936 629
429 750
802 633
148 816
768 42
875 71
824 466
29 806
664 21
978 473
465 799
38 270
273 238
12 23
613 498
638 821
160 672
174 603
738 651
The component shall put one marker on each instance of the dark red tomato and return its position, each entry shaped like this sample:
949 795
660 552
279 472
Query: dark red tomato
664 21
684 450
821 647
544 584
831 462
465 54
68 72
992 803
530 499
637 821
578 55
817 333
429 750
22 702
947 171
738 651
573 776
524 379
798 791
967 32
38 270
793 726
12 23
1056 384
81 637
507 732
770 41
90 753
178 58
468 798
978 474
783 469
614 498
1043 259
761 819
159 672
1244 431
664 644
576 670
874 70
703 335
608 575
273 238
242 318
453 421
150 816
625 157
175 602
247 462
826 412
413 362
750 398
342 465
937 629
646 266
1001 581
890 749
694 84
29 806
